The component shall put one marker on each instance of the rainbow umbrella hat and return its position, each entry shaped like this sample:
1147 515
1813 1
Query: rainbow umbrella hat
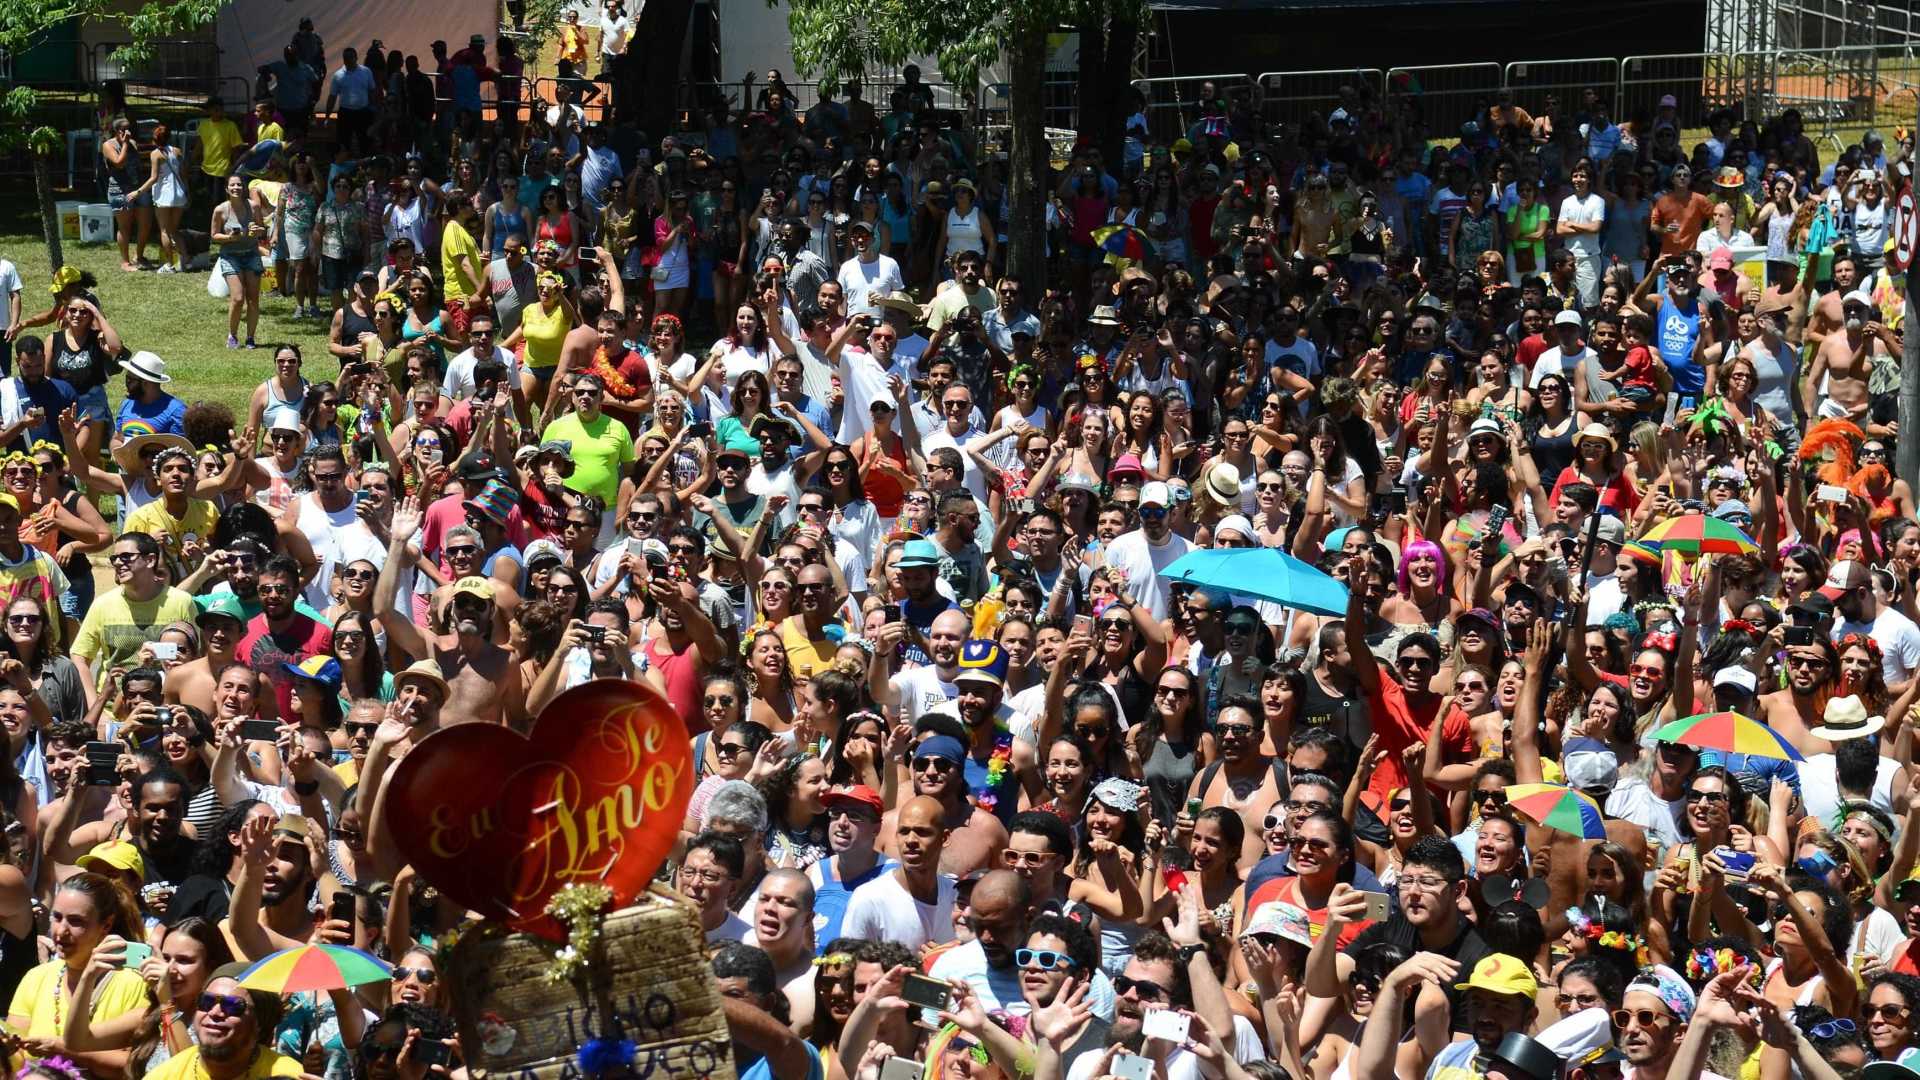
1729 733
1556 806
314 967
1122 240
1699 534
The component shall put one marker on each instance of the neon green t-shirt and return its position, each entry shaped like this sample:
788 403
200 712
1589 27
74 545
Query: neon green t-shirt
600 451
455 242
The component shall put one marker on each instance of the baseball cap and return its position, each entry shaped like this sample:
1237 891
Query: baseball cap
1156 494
1721 259
1858 296
1741 677
1846 576
854 795
1731 509
1568 317
1611 530
114 855
474 585
477 467
224 603
321 669
1498 973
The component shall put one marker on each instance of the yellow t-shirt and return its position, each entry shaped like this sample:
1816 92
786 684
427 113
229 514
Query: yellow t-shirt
153 519
545 333
218 140
265 1063
454 242
120 993
269 130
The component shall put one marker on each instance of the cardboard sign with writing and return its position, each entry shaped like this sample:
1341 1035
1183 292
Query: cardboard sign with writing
595 793
650 983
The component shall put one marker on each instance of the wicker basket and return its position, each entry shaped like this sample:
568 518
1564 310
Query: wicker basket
651 984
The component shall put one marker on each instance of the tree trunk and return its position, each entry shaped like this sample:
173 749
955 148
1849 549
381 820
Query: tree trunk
1091 116
1117 77
1027 160
49 219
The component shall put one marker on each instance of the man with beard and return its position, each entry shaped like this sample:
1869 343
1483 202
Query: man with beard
1813 672
1657 1007
913 903
1850 586
231 1031
482 680
1243 779
1429 921
783 929
1146 551
497 557
853 824
223 623
806 633
979 717
1499 996
1330 698
280 635
624 371
270 901
1829 313
135 611
682 642
1171 970
159 805
31 389
999 910
709 871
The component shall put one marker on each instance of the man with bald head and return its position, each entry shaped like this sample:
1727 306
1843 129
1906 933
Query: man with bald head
1001 904
913 904
783 929
919 690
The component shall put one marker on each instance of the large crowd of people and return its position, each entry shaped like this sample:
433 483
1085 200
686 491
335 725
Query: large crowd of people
978 786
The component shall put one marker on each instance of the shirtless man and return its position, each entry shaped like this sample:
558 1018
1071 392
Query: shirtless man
1794 711
222 625
974 836
483 682
1845 359
1246 781
1827 315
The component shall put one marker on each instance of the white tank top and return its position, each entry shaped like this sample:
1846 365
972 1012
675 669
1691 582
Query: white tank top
963 233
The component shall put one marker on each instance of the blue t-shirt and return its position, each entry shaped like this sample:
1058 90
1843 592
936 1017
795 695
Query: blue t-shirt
762 1070
52 396
1416 189
1675 334
830 900
166 415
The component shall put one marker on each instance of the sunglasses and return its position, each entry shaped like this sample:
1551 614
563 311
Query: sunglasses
1144 989
1646 1018
423 976
1706 796
230 1004
921 764
1044 959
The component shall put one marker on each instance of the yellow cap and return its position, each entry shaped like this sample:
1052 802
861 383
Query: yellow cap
1498 973
114 855
474 585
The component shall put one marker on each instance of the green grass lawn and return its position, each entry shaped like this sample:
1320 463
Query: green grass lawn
169 314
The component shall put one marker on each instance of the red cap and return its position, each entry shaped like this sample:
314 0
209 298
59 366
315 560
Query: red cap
855 793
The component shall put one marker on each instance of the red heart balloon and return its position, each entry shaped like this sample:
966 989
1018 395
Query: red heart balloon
595 793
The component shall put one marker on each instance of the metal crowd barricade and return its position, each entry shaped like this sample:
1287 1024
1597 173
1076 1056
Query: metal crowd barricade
1828 86
1448 94
1532 82
1290 97
1644 80
1171 99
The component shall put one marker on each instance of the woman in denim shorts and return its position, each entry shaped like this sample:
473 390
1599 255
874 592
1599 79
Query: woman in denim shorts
236 231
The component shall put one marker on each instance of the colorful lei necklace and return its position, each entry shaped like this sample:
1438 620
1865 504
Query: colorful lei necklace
998 763
616 385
